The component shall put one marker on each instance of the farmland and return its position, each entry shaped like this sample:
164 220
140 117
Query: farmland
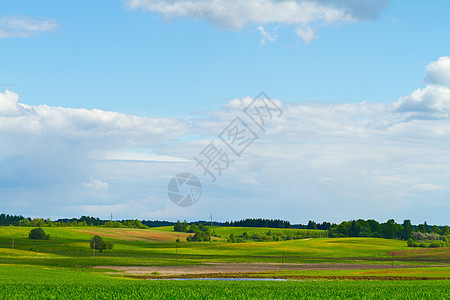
357 267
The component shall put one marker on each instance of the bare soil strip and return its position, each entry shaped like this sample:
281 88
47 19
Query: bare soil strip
234 268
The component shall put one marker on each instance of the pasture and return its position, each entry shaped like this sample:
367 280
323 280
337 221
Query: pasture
357 267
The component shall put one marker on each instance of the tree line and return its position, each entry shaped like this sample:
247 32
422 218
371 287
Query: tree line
11 220
355 228
260 223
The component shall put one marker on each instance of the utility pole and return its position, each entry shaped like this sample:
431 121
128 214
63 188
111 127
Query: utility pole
111 216
176 251
210 234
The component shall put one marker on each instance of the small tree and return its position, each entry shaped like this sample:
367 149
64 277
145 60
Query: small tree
24 222
411 243
38 234
98 243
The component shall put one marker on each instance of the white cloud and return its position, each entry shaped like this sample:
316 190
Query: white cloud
59 142
236 14
438 72
317 161
307 34
96 185
266 36
431 99
435 97
25 26
8 101
89 126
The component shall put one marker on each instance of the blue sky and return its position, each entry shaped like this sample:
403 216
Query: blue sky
104 101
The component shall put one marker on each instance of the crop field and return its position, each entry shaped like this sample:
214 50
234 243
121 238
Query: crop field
25 282
138 246
62 267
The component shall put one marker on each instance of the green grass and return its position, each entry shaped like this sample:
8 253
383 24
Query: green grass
58 268
70 247
28 282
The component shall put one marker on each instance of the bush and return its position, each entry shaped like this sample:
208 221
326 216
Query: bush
38 234
435 245
100 244
201 233
411 243
420 236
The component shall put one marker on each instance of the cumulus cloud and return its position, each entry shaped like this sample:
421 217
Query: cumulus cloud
88 126
431 99
438 72
25 26
53 145
435 97
317 161
236 14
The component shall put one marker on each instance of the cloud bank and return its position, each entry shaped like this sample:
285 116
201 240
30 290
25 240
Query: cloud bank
318 161
236 14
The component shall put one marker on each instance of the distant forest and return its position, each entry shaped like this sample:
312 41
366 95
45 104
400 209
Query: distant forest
355 228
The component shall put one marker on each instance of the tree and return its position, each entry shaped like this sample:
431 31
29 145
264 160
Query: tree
388 229
374 226
436 229
354 229
343 228
201 233
38 234
422 228
180 227
445 231
98 243
24 222
311 225
364 231
37 222
407 229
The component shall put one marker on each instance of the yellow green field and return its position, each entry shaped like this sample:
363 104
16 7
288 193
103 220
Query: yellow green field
65 266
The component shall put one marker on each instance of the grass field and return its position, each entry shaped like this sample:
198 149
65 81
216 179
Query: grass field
60 267
70 247
24 282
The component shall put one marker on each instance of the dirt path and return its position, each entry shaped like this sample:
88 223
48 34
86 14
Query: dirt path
242 268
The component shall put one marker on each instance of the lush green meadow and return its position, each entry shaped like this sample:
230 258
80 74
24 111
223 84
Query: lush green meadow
70 246
25 282
61 267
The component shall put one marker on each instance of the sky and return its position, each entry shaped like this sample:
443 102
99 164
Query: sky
102 103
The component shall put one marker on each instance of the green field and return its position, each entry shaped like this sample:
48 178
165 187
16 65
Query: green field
39 283
69 247
61 267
